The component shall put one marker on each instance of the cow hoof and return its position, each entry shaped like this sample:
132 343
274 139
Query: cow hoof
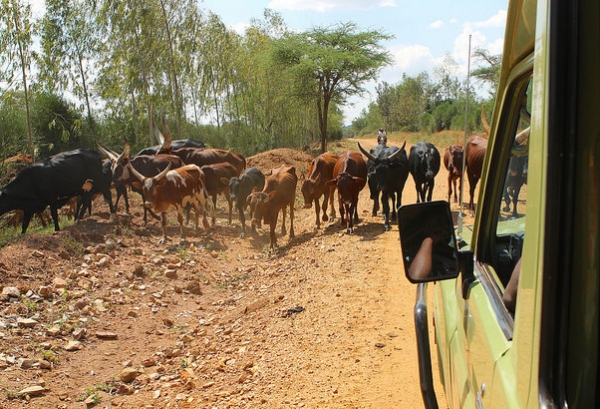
325 218
386 227
242 235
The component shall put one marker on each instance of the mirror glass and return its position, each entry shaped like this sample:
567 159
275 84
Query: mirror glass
428 241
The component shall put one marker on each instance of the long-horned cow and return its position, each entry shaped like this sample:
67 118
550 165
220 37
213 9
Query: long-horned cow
147 165
175 188
350 177
388 175
240 187
314 186
279 193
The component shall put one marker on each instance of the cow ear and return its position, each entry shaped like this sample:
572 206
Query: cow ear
302 177
269 196
225 181
136 184
357 180
332 182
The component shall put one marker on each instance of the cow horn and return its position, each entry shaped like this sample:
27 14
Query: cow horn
367 154
484 121
125 153
163 173
137 174
167 139
109 154
394 155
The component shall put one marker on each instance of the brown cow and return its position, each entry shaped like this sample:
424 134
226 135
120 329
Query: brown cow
278 193
350 177
174 188
475 152
453 161
320 171
217 177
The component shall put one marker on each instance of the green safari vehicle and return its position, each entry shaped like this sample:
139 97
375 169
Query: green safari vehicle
515 297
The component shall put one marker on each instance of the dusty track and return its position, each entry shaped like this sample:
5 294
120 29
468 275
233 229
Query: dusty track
240 343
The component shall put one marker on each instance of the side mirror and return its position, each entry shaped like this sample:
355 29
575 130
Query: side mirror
428 242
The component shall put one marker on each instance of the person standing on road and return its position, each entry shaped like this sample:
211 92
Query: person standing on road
381 137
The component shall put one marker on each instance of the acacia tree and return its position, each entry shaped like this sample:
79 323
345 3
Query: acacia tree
16 40
490 71
331 64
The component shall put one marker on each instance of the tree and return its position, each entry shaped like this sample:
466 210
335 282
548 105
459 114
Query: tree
490 72
68 44
330 65
16 40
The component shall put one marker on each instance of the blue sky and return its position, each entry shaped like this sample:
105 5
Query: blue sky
425 30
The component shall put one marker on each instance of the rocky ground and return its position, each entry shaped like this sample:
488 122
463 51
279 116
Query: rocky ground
101 315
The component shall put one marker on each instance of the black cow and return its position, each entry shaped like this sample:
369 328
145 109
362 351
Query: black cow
52 182
389 174
516 177
240 188
424 164
180 143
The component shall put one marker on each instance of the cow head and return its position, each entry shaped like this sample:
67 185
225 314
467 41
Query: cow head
456 159
308 189
148 185
347 186
259 206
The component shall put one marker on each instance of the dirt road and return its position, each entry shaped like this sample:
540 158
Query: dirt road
218 322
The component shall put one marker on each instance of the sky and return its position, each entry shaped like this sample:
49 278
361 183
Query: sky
424 31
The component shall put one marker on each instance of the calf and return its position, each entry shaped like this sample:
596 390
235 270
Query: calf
217 177
278 193
424 165
313 187
453 161
388 175
174 189
350 177
241 187
52 182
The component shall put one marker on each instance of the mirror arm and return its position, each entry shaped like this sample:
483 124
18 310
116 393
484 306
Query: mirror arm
466 266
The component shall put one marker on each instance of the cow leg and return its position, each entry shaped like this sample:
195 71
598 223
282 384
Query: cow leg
331 205
292 235
164 228
214 213
180 220
318 213
450 181
386 210
394 214
230 203
202 199
284 211
430 186
242 221
325 204
272 234
27 218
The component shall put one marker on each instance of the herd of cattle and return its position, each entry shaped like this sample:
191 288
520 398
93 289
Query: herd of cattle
185 175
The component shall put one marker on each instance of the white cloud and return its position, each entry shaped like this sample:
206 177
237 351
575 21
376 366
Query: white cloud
324 5
412 59
436 24
497 20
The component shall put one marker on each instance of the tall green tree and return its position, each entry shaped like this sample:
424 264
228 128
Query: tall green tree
331 64
69 44
16 42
